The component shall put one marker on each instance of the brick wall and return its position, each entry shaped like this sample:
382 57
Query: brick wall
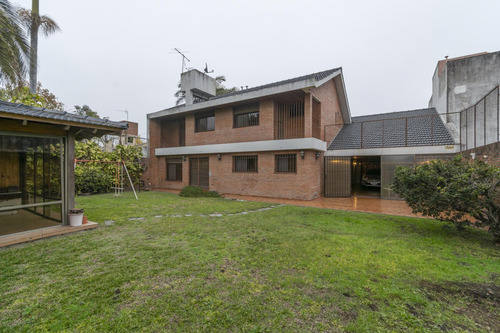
330 110
224 131
154 142
170 131
305 184
491 151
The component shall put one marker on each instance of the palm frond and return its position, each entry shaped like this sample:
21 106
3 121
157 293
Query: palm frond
48 25
14 46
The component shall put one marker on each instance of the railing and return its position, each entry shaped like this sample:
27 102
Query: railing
422 130
479 124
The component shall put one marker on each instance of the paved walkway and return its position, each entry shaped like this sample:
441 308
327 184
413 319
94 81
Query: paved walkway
357 204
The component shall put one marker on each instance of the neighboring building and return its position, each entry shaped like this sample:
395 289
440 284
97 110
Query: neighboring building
126 137
272 140
465 93
37 166
263 141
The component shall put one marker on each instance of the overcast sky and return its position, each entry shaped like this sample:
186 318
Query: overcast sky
117 54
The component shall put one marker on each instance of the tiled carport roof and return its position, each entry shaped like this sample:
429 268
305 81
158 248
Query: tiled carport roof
62 116
396 129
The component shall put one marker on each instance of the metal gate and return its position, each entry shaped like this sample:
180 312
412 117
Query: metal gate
338 176
198 171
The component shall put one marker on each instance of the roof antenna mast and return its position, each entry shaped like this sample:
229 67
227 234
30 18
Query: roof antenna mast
184 58
206 69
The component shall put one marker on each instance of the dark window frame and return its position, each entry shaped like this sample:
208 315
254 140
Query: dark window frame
246 115
178 169
250 163
201 122
290 161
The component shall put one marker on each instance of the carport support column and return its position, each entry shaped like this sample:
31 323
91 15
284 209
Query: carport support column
70 175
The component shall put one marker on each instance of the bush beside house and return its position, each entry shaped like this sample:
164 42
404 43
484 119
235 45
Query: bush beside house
460 191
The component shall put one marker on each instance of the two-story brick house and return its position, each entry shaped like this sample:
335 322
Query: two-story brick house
264 141
296 138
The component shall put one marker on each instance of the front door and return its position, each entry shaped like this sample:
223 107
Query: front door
198 171
337 176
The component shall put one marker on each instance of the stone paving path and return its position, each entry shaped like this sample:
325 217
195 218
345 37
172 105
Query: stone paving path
207 215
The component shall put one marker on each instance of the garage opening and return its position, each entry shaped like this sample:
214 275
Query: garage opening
365 176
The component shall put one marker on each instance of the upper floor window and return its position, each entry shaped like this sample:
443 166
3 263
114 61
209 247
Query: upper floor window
245 163
205 122
285 163
246 115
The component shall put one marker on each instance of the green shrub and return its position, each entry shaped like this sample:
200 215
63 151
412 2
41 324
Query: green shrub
193 192
91 179
99 177
459 191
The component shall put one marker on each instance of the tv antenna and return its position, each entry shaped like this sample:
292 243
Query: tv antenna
184 58
206 69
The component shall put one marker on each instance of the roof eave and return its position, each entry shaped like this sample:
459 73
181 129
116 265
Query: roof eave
293 86
343 100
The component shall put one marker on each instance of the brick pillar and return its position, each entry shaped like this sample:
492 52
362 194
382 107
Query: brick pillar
308 116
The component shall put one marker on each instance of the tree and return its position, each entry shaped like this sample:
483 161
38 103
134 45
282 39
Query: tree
33 22
43 98
460 191
220 89
95 177
85 110
14 47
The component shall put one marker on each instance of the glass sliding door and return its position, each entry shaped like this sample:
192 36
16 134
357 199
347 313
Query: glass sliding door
388 165
31 182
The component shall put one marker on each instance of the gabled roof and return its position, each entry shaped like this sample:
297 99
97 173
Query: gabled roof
412 128
315 76
294 84
62 116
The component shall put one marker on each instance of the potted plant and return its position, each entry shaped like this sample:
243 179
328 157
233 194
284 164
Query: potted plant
75 217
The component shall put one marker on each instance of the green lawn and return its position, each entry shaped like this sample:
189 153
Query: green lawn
283 269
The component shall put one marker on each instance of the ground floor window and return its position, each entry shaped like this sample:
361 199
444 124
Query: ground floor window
174 169
285 163
245 163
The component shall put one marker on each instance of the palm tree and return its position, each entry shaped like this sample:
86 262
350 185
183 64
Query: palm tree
14 47
33 21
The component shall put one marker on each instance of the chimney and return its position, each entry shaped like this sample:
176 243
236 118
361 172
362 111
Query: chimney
197 86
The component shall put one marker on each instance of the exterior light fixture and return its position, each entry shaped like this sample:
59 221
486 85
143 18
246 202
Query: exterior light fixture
183 158
219 157
318 154
302 154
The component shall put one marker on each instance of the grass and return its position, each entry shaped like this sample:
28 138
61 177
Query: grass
284 269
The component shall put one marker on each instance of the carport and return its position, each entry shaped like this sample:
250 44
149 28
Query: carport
362 158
